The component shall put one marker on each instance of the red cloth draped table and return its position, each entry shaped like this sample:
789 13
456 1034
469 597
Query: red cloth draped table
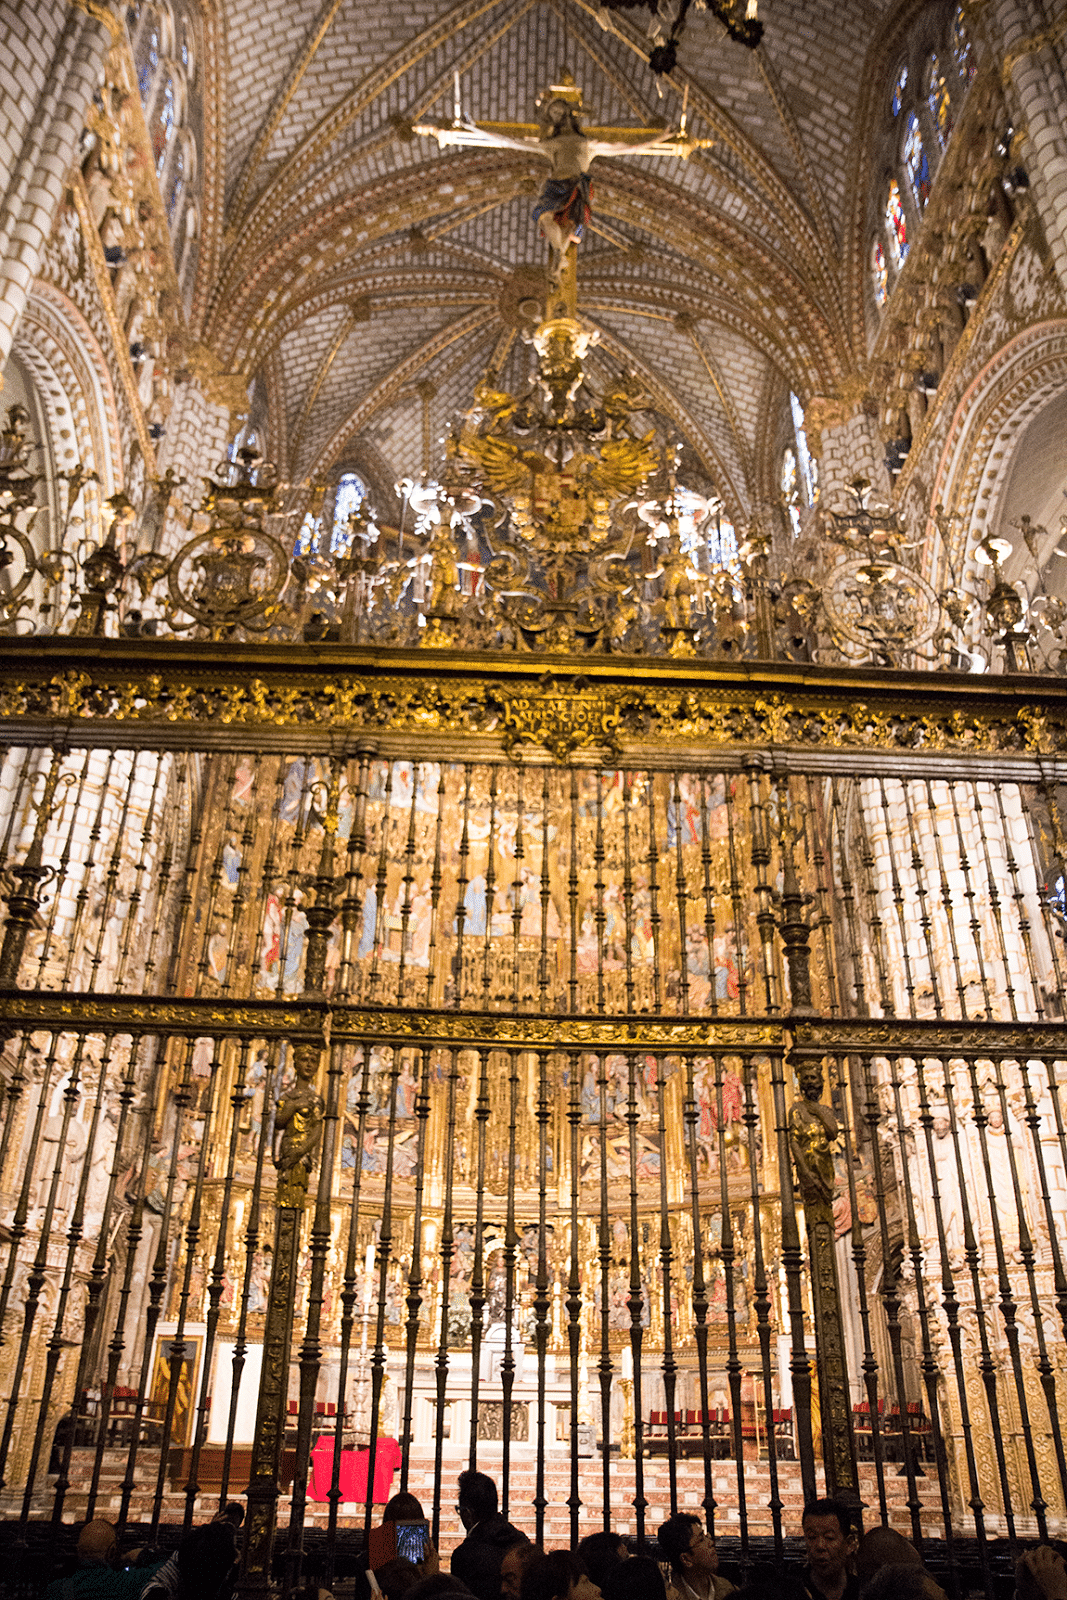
352 1479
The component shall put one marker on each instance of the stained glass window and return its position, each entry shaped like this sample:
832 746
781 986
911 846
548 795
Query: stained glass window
916 162
146 67
806 466
790 482
896 226
163 125
897 97
351 493
879 273
939 101
177 184
962 52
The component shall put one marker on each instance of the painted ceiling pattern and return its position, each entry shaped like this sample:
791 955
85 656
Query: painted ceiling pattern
368 278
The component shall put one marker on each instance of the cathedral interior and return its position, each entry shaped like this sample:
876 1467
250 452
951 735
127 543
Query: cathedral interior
533 766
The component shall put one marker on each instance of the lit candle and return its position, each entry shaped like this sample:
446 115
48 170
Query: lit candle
627 1361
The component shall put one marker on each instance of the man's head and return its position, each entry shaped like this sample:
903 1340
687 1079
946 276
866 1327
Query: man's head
96 1542
477 1498
600 1554
517 1558
687 1545
829 1537
403 1508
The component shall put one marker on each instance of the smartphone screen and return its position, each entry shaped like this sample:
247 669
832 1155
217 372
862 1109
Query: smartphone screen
411 1538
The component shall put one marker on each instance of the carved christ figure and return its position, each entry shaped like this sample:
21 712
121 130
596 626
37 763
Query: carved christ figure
563 206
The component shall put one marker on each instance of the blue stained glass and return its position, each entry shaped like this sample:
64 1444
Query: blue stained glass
879 273
962 51
916 162
177 185
897 97
896 224
351 493
940 102
164 126
146 71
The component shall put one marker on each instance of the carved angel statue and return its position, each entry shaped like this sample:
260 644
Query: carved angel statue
298 1129
813 1131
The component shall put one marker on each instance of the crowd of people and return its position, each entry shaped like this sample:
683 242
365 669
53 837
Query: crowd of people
497 1561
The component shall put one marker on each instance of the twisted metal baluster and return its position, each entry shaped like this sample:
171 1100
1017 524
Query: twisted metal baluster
415 1282
635 1304
653 892
816 832
310 1358
541 1302
572 895
628 888
384 1252
177 1345
946 899
951 1306
859 1262
490 889
733 1359
447 1251
477 1292
507 1368
847 897
215 1282
709 897
986 1365
792 1261
666 1258
898 901
35 1279
891 1296
598 890
251 1247
407 882
435 893
97 1272
681 894
930 1370
1008 1306
574 1289
380 885
134 1234
604 1365
546 896
462 881
925 920
761 1297
349 1295
56 1341
157 1284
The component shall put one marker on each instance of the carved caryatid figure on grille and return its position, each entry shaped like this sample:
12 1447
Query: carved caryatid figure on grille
813 1132
298 1129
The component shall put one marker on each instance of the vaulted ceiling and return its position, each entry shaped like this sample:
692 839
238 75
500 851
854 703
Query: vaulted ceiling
368 278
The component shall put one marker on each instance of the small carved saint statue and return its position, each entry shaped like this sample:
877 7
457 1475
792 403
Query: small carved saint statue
813 1132
298 1129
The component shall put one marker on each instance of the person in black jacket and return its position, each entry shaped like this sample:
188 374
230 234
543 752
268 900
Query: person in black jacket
477 1560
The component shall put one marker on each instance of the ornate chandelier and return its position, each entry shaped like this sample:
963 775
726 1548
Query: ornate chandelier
738 17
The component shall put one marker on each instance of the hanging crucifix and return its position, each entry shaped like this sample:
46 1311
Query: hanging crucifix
563 207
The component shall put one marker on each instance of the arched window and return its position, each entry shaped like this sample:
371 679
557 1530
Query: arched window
806 466
896 226
350 495
916 163
879 273
940 101
896 99
962 51
177 184
790 485
148 58
163 125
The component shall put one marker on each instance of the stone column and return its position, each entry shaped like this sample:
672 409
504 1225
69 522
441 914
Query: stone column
1034 47
51 61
